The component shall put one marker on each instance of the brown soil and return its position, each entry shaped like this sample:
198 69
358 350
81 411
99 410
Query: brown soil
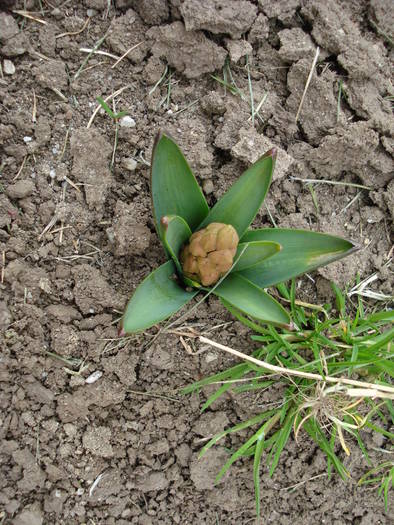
76 236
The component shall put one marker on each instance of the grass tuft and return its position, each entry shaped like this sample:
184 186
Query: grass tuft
336 370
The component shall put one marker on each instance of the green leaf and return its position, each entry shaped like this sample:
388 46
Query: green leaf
175 233
280 442
239 453
256 471
252 253
236 428
251 300
155 299
242 201
302 251
174 188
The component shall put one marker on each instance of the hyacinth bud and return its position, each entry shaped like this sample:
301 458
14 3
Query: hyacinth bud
209 253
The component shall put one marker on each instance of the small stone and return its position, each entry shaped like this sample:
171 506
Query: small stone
8 67
91 13
94 377
129 164
56 13
45 285
27 139
208 186
127 122
210 356
70 429
213 104
8 27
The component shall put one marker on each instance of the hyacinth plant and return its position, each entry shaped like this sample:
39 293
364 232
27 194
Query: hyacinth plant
222 256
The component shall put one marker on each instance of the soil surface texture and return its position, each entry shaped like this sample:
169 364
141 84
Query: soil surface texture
92 430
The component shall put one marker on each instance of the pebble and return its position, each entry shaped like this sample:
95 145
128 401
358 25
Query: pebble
27 139
129 163
127 122
208 187
94 377
56 13
8 67
210 357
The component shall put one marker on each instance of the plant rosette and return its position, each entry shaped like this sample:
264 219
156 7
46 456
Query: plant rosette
213 250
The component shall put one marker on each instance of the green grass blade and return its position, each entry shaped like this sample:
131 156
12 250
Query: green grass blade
256 471
382 339
230 373
236 428
317 434
390 408
219 392
331 445
284 292
281 441
380 430
340 299
260 433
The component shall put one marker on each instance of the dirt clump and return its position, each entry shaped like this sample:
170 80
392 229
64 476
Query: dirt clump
92 428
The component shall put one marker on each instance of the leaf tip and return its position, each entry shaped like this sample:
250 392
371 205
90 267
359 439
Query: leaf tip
354 247
159 135
121 331
290 326
271 153
164 221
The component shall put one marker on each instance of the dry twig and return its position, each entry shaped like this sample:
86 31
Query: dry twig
375 390
308 81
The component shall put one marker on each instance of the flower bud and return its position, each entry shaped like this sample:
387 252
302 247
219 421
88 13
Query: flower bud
209 253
